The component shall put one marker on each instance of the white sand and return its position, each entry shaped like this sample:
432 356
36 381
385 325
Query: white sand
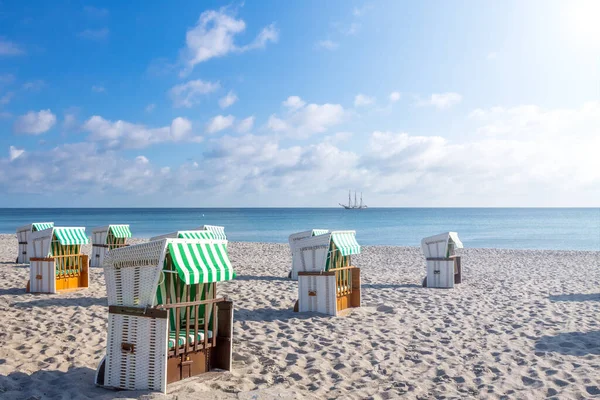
523 324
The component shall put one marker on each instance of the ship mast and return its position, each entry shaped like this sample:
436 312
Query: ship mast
355 202
349 199
361 200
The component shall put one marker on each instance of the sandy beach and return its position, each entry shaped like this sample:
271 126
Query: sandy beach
523 324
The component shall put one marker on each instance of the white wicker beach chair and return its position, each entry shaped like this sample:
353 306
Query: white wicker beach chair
327 282
165 321
56 261
443 265
106 238
294 239
23 237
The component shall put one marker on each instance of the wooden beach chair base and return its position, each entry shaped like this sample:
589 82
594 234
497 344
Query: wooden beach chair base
439 271
328 292
43 270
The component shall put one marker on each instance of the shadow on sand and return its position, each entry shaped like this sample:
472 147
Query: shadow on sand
12 291
57 385
270 315
576 297
43 300
260 278
390 286
571 343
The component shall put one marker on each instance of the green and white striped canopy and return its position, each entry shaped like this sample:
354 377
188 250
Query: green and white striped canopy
70 236
120 231
195 235
217 231
319 232
201 262
40 226
346 243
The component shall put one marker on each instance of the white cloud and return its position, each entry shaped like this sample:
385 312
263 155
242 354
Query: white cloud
441 100
245 125
35 123
327 44
214 34
294 102
94 34
14 153
395 96
228 100
187 94
98 89
142 160
123 134
150 107
302 120
361 100
180 129
220 123
8 48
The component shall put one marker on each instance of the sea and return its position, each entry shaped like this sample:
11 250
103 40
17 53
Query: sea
506 228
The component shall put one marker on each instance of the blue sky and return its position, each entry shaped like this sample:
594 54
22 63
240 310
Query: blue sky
274 103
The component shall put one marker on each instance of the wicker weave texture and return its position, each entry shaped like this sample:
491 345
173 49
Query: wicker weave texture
146 367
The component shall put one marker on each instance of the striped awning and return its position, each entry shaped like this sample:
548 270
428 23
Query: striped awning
40 226
217 231
195 235
70 236
346 243
120 231
201 262
319 232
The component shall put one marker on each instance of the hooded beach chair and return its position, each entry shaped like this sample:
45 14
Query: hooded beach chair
106 238
294 239
56 261
443 265
327 281
217 231
165 321
189 234
23 237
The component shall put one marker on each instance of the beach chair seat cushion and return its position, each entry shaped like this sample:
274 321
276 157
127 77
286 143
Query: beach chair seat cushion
181 341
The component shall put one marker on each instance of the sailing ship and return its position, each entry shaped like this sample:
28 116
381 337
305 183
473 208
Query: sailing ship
356 205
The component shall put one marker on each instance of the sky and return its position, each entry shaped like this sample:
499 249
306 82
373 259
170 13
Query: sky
292 104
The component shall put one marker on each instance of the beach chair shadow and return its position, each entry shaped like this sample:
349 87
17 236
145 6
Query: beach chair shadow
575 297
260 278
12 291
390 285
46 384
270 315
571 343
64 302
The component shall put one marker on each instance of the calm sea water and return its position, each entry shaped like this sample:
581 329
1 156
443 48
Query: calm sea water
514 228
